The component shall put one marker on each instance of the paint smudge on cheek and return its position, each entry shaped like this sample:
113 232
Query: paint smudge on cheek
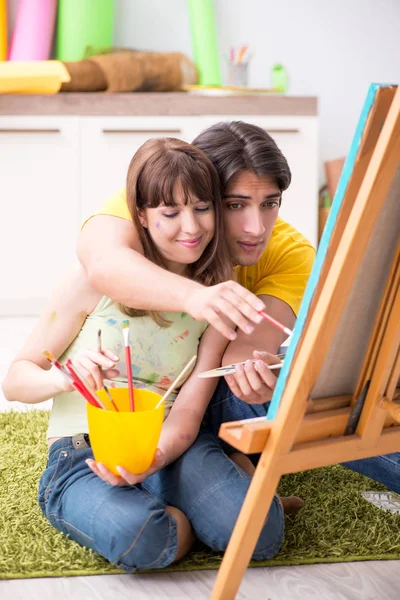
158 225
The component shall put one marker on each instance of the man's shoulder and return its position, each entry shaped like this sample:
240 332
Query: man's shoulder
116 205
284 233
286 249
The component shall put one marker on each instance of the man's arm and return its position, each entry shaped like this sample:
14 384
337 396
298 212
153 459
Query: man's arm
255 384
110 251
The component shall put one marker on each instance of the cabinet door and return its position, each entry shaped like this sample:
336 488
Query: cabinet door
296 136
39 190
108 144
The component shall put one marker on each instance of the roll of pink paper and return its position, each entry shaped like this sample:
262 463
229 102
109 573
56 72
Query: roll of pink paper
33 32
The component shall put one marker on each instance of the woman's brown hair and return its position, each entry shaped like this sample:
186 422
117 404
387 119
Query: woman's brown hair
153 174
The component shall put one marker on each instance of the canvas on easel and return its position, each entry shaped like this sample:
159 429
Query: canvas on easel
335 398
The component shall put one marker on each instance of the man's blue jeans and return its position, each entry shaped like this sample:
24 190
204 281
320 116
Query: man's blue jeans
129 526
225 406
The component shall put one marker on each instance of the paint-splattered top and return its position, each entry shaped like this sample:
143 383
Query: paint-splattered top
158 356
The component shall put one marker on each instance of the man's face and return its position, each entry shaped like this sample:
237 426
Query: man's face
251 206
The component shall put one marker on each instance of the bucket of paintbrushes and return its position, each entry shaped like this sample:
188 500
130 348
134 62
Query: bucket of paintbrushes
124 438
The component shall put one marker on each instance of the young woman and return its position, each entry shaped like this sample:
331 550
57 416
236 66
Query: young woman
173 196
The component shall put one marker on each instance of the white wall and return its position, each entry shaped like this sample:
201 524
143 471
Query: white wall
332 49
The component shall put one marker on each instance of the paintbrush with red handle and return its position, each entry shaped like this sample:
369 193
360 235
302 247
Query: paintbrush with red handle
128 360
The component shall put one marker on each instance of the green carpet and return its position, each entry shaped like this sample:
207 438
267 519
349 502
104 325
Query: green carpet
336 525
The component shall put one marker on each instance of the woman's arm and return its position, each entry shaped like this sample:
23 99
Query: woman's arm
29 378
183 422
110 252
182 425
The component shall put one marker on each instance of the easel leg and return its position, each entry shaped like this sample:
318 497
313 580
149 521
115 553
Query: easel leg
247 530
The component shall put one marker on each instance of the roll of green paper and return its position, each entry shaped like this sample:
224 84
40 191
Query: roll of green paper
84 26
204 41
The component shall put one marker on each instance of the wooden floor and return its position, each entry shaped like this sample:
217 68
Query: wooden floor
378 580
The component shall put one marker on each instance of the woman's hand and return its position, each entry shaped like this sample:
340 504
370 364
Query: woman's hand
92 367
127 478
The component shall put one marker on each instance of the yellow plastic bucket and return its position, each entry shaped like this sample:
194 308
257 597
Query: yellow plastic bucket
126 439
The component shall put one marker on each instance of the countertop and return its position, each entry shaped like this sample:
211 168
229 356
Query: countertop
166 103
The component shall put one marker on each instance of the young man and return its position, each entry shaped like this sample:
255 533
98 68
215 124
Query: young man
274 260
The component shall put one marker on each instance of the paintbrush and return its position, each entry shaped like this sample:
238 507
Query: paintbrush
229 369
177 381
105 388
84 389
128 360
78 385
275 322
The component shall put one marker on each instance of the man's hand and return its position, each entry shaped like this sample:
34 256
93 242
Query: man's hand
227 299
254 383
126 478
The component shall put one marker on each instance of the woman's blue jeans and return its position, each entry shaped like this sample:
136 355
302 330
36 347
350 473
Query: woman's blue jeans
225 406
129 526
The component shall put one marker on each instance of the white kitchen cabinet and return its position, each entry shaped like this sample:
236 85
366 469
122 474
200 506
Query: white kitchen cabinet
62 156
108 144
39 207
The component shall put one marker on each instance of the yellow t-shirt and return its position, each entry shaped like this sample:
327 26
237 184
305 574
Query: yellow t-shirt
282 270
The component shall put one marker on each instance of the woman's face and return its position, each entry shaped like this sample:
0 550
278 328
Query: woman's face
182 232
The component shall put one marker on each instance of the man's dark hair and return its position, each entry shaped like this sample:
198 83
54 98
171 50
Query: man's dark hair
237 146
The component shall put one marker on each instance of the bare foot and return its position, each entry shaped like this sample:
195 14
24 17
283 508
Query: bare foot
291 504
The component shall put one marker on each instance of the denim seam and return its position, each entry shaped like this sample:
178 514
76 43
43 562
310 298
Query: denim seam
239 470
221 400
118 560
47 491
74 528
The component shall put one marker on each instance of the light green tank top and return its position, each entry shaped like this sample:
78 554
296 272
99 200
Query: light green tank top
158 356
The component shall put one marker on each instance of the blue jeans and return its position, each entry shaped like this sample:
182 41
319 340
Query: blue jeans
225 406
130 527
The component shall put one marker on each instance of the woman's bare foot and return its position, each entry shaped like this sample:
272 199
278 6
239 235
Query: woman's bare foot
291 504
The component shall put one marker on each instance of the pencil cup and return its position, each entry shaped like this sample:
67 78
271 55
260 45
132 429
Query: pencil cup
238 74
126 439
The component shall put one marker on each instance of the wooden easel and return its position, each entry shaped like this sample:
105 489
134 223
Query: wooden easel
337 391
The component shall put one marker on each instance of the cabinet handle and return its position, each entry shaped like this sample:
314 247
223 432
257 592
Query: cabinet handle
150 131
282 130
30 130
